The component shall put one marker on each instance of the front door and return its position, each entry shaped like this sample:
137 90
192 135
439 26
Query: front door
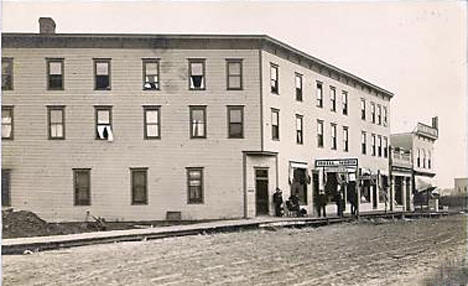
261 191
374 195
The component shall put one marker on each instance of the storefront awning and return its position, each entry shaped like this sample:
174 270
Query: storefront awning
423 183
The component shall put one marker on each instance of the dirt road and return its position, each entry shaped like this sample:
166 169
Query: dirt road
391 253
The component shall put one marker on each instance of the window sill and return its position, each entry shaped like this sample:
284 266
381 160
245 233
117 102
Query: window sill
234 89
197 89
56 139
152 138
198 137
195 203
139 204
235 138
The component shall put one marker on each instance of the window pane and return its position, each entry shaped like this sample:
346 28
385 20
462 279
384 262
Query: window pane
274 118
235 130
151 116
274 73
103 117
235 115
56 130
56 116
298 82
234 68
196 81
6 131
152 131
6 67
234 82
55 68
195 174
198 115
151 68
102 68
6 116
197 68
299 123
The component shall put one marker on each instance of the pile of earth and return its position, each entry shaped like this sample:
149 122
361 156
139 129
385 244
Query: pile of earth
26 224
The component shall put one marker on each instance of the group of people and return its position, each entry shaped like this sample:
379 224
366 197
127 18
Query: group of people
292 204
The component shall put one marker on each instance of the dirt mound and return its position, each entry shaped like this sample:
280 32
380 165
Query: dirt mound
26 224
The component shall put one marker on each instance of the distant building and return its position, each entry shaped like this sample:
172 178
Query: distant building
460 186
417 149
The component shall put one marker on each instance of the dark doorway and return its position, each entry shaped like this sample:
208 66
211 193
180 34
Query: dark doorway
398 191
261 191
374 195
6 188
299 185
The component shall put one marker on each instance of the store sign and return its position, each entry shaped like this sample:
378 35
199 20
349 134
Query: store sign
327 163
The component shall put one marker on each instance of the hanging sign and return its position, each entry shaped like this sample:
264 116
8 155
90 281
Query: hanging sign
353 162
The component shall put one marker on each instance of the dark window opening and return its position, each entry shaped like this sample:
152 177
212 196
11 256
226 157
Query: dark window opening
274 78
55 74
298 87
104 123
7 73
102 74
299 128
234 74
197 74
195 185
236 121
150 74
7 122
139 186
82 186
275 124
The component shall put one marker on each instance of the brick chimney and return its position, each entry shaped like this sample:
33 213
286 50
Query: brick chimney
46 25
435 122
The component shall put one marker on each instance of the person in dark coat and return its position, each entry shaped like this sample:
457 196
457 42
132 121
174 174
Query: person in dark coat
339 203
321 204
278 201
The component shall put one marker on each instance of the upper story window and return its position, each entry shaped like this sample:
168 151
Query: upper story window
379 114
235 121
363 109
363 142
56 122
385 119
424 158
82 186
418 160
7 122
345 102
102 74
319 94
195 185
151 74
197 76
298 87
104 123
373 145
152 122
7 73
234 74
55 74
319 133
332 98
197 121
372 112
345 139
385 147
275 124
139 183
429 161
299 130
333 136
379 146
274 78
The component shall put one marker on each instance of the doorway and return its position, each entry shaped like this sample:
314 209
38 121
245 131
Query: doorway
261 191
374 196
6 188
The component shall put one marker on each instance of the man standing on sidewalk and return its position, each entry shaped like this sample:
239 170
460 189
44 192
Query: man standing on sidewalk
278 201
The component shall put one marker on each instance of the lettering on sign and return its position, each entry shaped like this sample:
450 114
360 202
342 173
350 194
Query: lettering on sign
336 163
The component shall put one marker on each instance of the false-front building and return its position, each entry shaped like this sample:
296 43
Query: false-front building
149 127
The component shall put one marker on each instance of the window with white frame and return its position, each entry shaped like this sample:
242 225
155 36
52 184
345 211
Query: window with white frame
333 136
333 98
373 144
152 122
299 129
197 74
319 94
345 102
56 116
234 74
320 133
198 121
274 124
298 87
373 112
345 139
363 142
379 114
104 123
195 185
150 74
274 78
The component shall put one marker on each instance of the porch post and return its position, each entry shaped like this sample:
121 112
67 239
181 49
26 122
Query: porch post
392 193
403 190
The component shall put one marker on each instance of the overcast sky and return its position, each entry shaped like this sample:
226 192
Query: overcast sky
416 50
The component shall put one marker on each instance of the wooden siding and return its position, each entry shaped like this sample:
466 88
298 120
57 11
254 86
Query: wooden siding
41 169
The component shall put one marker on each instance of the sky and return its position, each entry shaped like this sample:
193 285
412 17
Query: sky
415 49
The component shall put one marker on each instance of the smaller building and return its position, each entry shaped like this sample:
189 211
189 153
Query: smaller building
461 186
415 149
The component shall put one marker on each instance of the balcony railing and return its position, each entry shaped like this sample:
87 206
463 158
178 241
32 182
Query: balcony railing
401 158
